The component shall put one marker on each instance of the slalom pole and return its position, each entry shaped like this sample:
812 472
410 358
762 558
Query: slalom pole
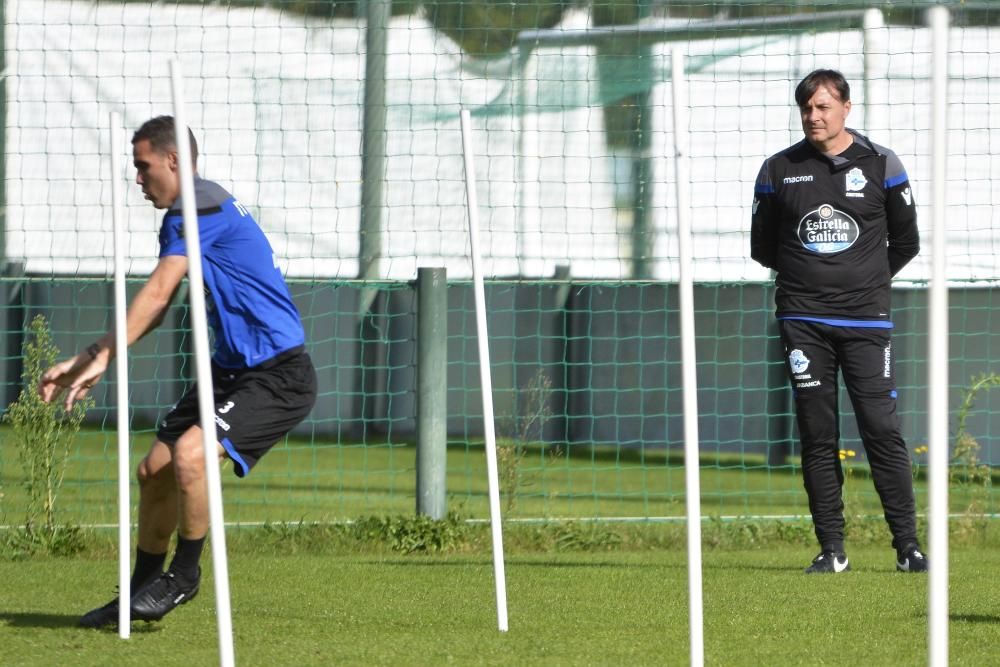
203 366
121 369
937 346
685 285
484 372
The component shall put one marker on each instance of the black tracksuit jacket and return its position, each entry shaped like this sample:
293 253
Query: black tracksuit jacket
834 228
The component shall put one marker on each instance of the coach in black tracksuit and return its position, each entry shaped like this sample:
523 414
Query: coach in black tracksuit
834 217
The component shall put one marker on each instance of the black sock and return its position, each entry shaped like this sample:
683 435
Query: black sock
147 566
186 557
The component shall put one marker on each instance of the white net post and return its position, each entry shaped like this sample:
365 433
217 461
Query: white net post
206 405
685 286
489 432
121 369
937 345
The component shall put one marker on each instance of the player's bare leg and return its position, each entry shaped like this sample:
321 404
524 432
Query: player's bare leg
157 499
157 523
180 582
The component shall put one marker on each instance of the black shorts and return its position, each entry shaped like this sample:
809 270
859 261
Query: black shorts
254 407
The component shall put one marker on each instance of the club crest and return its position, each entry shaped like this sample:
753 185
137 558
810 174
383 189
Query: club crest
856 180
798 361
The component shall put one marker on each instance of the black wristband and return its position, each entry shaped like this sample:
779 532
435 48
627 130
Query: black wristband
93 349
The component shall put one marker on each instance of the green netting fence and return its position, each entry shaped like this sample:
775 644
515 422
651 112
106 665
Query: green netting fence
587 393
571 106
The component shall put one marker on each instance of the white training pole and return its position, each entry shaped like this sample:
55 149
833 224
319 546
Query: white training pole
873 25
484 371
121 369
685 287
937 345
206 404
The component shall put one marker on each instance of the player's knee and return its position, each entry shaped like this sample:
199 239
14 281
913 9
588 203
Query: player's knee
147 473
142 473
189 460
153 482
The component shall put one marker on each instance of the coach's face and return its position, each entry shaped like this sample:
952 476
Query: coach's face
823 119
156 173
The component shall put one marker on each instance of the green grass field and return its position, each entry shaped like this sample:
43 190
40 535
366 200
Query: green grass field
336 482
579 592
604 608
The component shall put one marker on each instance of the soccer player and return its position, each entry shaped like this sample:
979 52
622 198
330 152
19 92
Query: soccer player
264 381
833 216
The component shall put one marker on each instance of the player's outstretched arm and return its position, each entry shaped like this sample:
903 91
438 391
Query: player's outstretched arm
76 376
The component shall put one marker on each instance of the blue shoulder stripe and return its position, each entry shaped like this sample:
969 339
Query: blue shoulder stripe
763 189
896 180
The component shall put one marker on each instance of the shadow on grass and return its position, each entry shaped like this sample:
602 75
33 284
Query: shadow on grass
754 568
975 618
39 620
517 563
60 621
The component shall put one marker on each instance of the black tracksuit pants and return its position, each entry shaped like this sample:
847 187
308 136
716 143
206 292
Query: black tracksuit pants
813 353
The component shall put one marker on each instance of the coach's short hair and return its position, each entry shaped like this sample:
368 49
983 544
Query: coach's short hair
161 134
822 77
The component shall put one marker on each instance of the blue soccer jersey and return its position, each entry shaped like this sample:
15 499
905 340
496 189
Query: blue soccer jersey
250 310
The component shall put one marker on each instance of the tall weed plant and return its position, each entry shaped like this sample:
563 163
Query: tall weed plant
525 425
966 466
967 473
42 433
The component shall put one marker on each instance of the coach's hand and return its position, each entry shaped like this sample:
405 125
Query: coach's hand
76 376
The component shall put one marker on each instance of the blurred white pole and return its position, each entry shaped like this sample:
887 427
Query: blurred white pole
121 370
937 345
873 24
203 365
685 287
484 371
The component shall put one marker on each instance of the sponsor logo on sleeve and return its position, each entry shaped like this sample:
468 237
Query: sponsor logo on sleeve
907 197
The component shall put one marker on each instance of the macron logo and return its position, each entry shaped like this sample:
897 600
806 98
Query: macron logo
798 179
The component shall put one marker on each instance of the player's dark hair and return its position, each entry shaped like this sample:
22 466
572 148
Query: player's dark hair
818 78
161 135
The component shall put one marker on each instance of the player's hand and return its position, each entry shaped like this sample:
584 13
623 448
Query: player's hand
75 376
